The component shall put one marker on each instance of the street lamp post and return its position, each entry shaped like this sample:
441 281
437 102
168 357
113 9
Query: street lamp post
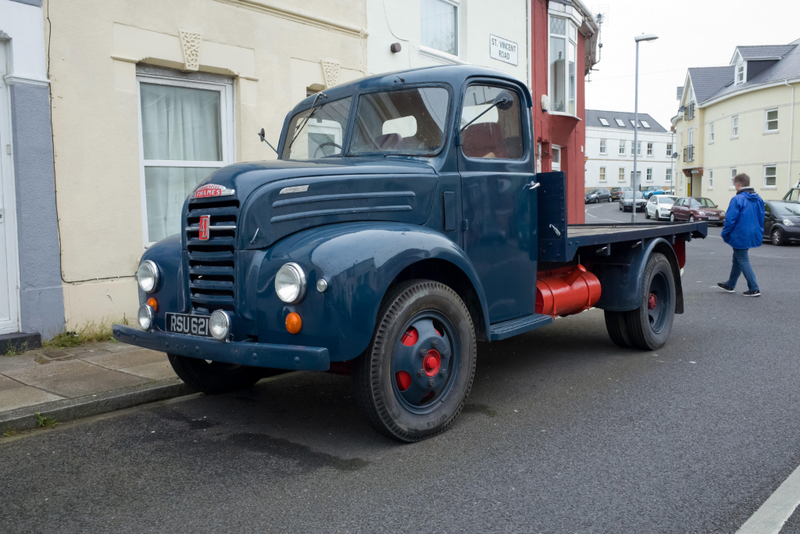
638 38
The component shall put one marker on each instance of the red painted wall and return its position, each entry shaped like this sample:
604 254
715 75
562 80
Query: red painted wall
567 132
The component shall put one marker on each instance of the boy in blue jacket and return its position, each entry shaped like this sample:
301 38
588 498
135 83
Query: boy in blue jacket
744 229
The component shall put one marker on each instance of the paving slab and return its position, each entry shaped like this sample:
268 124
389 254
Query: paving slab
21 396
124 360
153 371
23 361
73 378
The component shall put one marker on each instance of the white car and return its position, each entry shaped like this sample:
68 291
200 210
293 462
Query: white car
658 207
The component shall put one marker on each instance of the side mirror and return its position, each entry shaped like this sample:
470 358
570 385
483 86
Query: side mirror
504 100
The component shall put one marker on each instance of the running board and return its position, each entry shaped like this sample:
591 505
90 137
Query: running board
513 327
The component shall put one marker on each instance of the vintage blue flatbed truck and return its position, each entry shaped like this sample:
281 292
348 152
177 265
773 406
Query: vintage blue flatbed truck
403 221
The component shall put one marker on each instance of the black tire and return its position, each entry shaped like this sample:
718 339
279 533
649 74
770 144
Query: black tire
776 237
691 218
216 377
646 214
672 217
649 325
427 403
618 329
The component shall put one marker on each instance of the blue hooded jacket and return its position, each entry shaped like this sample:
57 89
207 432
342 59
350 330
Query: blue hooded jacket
744 220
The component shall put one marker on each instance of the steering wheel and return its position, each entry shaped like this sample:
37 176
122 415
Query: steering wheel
327 143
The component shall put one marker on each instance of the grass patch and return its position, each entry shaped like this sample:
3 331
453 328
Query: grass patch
14 350
10 433
46 422
91 332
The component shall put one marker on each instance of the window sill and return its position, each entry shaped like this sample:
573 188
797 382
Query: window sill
734 137
769 188
564 114
772 132
438 54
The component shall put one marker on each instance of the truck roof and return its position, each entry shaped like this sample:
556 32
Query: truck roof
454 75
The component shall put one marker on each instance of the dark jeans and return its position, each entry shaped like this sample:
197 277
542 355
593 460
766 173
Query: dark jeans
741 265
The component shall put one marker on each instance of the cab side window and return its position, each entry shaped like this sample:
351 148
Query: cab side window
497 134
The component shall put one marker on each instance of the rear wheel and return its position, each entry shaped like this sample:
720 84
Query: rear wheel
416 374
776 236
216 377
649 326
618 329
691 218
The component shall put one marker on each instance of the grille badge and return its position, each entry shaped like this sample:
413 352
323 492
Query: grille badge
213 190
204 227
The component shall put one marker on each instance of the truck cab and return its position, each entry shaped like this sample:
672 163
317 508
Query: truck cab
402 222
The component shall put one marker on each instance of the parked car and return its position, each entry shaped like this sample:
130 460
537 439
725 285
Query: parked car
781 222
651 190
659 207
626 202
616 192
597 195
793 195
697 209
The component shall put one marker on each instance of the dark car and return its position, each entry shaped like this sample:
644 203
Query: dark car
696 209
626 202
597 195
616 192
781 222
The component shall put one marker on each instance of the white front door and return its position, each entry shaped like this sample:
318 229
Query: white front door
9 299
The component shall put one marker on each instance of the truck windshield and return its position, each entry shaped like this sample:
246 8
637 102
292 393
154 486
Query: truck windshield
321 135
408 122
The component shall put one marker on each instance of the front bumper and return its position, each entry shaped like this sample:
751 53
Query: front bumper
291 357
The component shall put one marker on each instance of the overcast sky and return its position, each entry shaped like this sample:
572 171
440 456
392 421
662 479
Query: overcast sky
696 33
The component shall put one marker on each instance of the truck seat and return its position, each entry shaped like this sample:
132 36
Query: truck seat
388 141
484 140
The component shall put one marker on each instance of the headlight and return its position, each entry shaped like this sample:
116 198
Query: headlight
220 325
290 283
787 222
147 275
145 317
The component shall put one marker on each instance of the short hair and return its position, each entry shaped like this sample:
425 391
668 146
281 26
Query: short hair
742 179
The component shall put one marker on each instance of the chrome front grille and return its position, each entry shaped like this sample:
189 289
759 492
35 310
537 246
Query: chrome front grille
212 262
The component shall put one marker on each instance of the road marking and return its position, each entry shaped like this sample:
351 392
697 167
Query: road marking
770 518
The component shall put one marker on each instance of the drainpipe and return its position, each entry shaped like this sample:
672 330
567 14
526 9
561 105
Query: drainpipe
791 133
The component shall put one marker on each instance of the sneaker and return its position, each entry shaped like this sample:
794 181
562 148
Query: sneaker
725 287
755 293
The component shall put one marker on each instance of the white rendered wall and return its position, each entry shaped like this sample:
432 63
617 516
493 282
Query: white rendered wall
612 160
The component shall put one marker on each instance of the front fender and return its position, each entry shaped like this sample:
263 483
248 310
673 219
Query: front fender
359 261
621 276
170 293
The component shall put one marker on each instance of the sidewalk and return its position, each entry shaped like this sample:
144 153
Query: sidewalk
67 384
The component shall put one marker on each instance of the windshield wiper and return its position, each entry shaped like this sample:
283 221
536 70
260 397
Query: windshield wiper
313 109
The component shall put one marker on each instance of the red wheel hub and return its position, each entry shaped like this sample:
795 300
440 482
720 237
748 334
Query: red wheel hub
651 301
432 362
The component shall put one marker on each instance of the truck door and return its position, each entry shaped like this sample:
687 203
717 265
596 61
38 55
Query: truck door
495 163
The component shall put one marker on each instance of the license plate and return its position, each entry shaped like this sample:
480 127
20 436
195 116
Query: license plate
713 218
183 323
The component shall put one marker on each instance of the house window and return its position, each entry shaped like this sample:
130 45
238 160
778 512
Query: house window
602 174
622 174
439 25
649 149
734 126
186 134
710 180
639 148
772 120
711 133
633 123
669 150
620 123
602 146
563 64
645 124
733 175
622 148
669 175
740 73
649 175
770 175
603 121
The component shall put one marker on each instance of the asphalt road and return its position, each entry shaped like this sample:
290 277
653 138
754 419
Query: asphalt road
563 433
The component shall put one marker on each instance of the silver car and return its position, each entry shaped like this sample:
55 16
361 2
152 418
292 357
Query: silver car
626 202
658 207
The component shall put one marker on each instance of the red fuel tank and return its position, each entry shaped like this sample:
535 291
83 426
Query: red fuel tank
566 291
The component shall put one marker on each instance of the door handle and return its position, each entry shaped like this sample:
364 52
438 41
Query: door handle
532 185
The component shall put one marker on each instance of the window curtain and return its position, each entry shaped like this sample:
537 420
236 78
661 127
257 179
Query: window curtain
178 124
438 25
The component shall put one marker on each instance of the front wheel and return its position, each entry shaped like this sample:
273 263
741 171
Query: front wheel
671 217
646 214
691 218
649 325
215 377
776 236
416 374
